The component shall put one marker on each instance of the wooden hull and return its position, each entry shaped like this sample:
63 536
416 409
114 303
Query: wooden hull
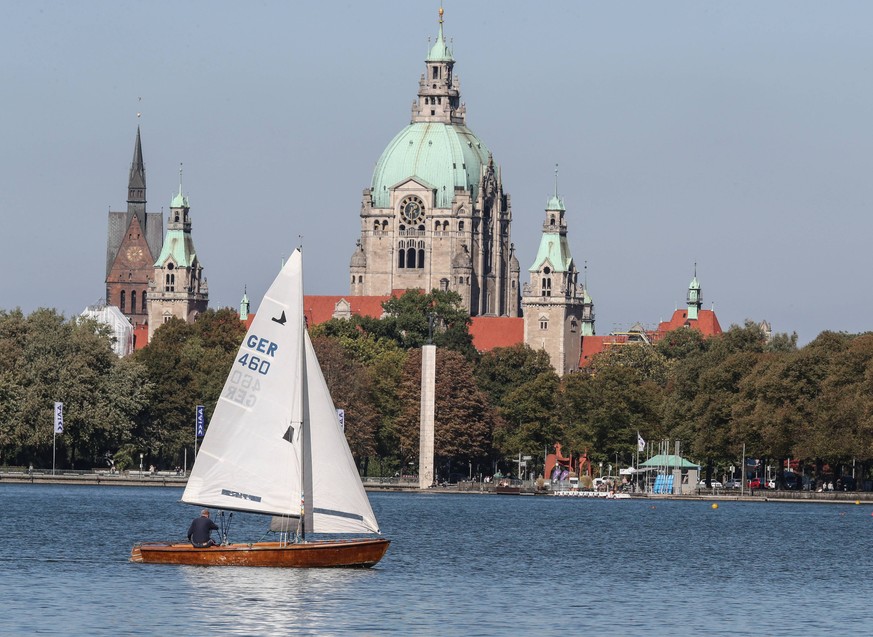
337 553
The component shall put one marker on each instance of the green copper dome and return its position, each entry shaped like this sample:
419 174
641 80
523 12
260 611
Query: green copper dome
443 156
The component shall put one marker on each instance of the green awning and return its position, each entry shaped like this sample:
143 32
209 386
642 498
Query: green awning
671 461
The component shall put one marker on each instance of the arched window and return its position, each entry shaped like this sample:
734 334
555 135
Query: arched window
410 257
384 225
552 221
445 226
123 299
170 282
360 278
376 226
421 258
436 226
460 226
401 256
133 302
143 301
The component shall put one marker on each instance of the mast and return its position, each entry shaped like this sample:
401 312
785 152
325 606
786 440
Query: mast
301 396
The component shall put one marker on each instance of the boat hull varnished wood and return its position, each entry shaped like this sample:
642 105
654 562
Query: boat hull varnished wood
361 553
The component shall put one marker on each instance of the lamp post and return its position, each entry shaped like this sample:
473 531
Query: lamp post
140 465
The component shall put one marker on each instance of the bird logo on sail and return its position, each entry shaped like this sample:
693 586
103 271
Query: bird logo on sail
281 320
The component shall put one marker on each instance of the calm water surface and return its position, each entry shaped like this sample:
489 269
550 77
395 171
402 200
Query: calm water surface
457 565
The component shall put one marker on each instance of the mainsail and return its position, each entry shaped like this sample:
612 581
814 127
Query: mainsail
275 432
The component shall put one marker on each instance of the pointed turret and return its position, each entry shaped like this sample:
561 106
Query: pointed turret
695 297
587 307
244 307
439 92
136 184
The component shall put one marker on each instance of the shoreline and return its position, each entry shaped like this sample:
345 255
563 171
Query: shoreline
170 479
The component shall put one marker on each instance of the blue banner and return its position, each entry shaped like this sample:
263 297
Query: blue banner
59 418
201 421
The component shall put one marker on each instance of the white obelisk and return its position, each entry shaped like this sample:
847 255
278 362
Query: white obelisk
428 397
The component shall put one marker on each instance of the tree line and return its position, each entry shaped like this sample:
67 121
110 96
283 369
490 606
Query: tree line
812 404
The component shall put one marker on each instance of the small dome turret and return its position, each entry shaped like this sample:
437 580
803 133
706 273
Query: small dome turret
359 258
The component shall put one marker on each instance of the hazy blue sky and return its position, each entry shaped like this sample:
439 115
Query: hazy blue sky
733 134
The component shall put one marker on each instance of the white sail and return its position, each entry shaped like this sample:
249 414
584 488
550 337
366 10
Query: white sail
275 397
335 498
250 456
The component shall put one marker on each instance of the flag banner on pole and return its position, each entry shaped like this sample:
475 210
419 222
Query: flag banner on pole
201 421
641 444
341 415
59 418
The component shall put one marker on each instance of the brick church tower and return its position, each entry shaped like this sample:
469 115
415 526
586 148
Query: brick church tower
133 240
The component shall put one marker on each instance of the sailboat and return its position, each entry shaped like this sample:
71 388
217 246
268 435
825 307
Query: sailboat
274 446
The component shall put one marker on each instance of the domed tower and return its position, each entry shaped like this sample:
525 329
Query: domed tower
554 302
436 196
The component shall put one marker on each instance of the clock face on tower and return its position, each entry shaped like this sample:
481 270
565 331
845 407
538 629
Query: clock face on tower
134 253
412 209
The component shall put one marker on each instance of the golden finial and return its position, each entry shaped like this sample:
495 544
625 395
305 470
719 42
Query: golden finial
441 14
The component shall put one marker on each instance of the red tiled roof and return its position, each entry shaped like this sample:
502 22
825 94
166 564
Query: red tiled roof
592 345
706 322
489 332
319 309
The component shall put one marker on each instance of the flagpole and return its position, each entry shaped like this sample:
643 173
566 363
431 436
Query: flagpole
54 443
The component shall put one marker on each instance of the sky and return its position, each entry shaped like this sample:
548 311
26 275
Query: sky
733 135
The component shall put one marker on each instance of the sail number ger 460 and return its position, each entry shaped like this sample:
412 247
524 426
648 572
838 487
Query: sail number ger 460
257 363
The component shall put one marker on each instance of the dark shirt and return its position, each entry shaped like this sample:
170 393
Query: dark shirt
199 531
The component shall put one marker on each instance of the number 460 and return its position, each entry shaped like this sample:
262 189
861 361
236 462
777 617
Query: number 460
255 363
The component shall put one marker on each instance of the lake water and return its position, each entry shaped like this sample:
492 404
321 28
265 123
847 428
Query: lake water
457 565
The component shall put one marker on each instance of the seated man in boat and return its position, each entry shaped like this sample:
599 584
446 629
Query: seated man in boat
200 531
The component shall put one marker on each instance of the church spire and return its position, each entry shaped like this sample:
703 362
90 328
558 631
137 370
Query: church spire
438 90
136 184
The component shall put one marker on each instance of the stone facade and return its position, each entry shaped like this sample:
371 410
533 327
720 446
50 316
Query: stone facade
557 309
436 215
178 288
